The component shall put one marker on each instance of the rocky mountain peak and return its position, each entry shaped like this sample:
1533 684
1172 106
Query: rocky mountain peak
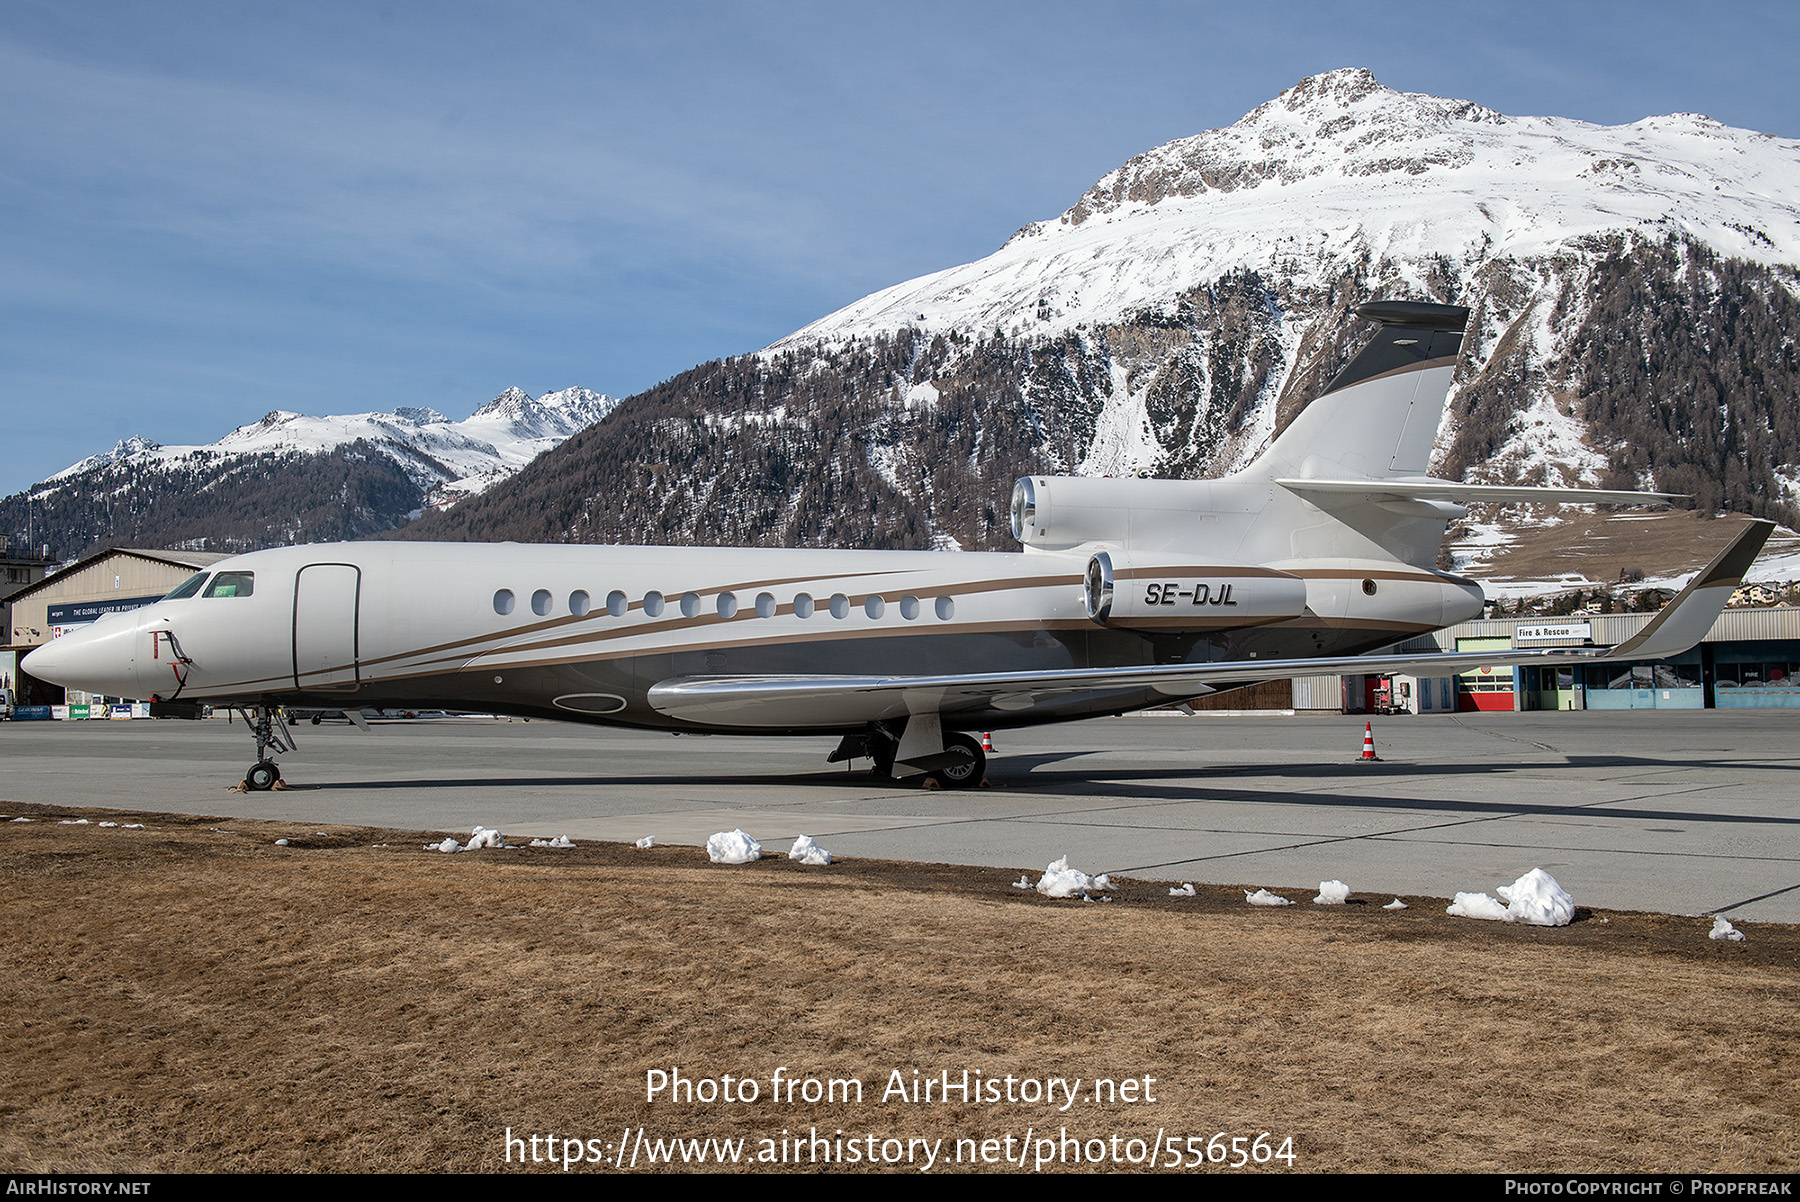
511 403
136 444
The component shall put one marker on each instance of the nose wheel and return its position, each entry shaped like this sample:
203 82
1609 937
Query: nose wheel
272 738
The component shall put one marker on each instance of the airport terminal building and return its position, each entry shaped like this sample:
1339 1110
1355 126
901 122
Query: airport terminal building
1748 660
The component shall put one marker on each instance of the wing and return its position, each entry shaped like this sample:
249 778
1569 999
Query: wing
841 702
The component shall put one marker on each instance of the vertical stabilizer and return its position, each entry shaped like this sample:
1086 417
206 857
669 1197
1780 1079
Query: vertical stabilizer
1380 416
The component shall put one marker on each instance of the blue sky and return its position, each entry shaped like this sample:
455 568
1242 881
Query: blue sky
211 210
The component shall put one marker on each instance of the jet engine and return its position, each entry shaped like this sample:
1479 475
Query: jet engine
1052 513
1174 593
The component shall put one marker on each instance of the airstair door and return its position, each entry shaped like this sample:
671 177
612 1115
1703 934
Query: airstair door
325 615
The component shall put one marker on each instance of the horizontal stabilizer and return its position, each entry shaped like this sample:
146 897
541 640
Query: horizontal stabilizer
844 702
1427 489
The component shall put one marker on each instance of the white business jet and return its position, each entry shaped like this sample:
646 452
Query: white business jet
1127 594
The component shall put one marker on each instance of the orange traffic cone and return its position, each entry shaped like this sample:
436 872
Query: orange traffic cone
987 741
1368 754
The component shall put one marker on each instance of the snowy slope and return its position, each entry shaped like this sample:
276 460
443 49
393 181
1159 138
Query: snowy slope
447 459
1338 167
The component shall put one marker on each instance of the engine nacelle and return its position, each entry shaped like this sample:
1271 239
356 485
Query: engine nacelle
1060 512
1174 593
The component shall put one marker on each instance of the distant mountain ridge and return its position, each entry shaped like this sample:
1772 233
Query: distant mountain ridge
271 482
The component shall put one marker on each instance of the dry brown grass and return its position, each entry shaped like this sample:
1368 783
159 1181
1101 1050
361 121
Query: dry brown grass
192 999
1599 546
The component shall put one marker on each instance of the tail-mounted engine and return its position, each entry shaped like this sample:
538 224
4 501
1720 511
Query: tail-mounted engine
1171 593
1057 513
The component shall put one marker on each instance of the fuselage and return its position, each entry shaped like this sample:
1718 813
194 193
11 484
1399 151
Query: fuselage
583 633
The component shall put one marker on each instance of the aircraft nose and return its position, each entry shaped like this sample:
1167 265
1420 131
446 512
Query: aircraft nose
98 659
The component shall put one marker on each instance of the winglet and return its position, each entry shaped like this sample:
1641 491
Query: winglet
1685 620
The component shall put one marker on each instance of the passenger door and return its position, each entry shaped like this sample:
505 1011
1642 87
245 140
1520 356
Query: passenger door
326 597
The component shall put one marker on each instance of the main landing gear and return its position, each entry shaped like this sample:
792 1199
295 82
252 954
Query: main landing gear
266 725
958 762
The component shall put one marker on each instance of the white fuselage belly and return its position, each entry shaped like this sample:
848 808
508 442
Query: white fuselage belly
421 625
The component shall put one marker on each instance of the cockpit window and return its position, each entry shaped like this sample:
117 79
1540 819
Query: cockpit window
188 587
232 584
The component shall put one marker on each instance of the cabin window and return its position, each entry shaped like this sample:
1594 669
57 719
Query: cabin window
503 602
690 604
909 607
616 604
188 587
232 584
580 603
874 606
727 604
765 605
803 605
540 603
1368 588
653 605
840 605
946 609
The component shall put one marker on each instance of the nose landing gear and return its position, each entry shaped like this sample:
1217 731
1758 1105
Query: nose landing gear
266 725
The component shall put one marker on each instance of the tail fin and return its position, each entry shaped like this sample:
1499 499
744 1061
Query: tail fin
1380 416
1360 454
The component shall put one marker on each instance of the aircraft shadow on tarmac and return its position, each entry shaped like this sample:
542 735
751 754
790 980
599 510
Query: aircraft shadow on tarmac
1140 784
1042 773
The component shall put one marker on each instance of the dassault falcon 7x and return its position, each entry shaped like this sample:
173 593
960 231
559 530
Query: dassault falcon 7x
1128 593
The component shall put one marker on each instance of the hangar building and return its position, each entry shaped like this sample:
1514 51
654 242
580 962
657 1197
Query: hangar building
109 581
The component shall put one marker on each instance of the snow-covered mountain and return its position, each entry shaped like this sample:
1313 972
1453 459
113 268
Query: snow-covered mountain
1339 168
1338 179
386 467
448 459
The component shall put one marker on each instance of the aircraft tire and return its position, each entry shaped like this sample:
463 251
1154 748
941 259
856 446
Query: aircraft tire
969 770
262 776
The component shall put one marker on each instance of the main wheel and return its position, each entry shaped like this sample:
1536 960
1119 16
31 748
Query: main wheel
262 776
968 769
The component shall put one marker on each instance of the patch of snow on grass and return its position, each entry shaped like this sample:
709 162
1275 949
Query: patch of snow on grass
808 852
1535 899
733 847
1477 905
1059 880
481 836
1332 893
